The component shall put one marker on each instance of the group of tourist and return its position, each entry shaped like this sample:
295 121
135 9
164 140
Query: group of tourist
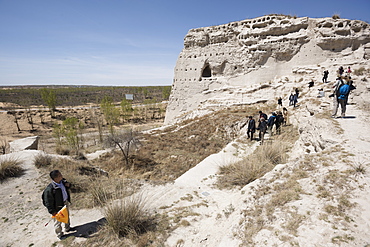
293 98
266 124
340 73
342 88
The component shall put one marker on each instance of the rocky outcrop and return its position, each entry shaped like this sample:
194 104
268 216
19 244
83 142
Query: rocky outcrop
28 143
228 59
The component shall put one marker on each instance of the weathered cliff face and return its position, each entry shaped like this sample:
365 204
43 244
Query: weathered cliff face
222 64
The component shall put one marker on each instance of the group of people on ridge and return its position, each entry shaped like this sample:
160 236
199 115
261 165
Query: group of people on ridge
293 98
265 125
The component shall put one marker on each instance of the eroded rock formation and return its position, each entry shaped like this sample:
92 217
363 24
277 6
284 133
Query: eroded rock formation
28 143
234 58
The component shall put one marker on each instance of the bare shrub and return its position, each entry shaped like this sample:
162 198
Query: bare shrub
126 141
42 160
10 167
293 222
62 150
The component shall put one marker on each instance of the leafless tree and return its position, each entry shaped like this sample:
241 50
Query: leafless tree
126 141
16 118
98 121
4 145
29 117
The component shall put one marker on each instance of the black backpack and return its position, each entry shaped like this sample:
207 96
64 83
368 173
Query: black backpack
279 119
43 193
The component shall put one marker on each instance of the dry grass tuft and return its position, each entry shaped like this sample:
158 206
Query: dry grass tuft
42 160
10 167
107 189
336 17
293 222
100 195
358 168
129 217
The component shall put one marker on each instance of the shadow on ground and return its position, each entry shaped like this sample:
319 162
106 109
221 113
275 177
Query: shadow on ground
87 229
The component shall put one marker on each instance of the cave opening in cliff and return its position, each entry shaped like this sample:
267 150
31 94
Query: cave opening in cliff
207 72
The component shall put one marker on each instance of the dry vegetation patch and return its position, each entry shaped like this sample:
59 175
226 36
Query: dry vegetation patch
261 161
331 187
167 154
10 167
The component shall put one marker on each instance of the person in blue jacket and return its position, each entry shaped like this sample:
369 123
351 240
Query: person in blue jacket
341 97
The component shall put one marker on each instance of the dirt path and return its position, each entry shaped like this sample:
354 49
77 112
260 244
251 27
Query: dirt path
356 126
23 217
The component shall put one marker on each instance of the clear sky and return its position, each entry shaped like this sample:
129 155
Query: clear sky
124 42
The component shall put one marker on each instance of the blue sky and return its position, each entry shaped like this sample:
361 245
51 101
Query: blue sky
123 42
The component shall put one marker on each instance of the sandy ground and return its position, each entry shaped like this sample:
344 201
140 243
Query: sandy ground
216 216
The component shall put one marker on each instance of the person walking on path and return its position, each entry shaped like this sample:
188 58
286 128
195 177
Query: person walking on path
325 77
280 102
297 92
311 84
262 127
338 83
262 115
55 197
285 115
279 121
291 99
251 128
271 122
349 71
340 71
295 99
341 93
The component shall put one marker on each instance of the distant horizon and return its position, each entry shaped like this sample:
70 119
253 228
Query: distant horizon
76 85
124 43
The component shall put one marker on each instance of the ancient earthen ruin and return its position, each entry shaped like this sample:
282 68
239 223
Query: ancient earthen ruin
224 64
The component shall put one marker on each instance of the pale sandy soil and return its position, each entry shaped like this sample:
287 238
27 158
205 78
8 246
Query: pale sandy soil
217 217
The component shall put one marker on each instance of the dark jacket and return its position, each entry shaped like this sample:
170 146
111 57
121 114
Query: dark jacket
263 115
252 125
262 126
279 120
52 197
271 120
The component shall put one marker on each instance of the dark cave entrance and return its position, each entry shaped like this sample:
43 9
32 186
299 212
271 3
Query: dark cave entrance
207 72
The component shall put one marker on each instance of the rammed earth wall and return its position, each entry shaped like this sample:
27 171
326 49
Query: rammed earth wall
241 54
